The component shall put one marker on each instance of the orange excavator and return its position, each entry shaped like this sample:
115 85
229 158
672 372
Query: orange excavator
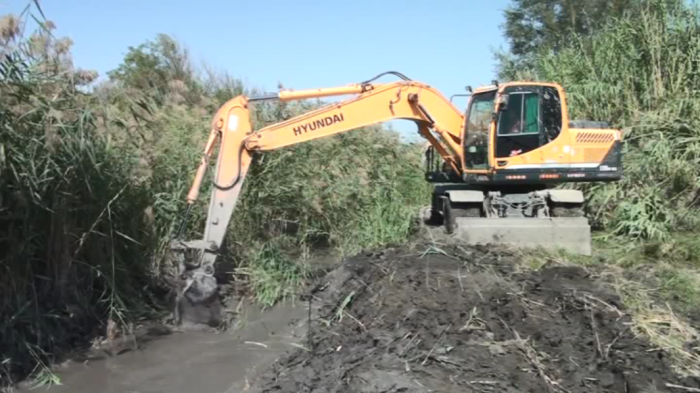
494 167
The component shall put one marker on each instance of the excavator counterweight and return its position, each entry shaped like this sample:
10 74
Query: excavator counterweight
494 167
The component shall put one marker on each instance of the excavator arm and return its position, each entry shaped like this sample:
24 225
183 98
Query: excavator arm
437 119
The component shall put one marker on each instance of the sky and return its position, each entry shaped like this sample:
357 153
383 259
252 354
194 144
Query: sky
303 44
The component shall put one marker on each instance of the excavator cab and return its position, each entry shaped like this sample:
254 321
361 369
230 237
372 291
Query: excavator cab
528 118
519 134
523 118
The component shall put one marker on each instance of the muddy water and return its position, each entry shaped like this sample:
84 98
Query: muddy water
205 362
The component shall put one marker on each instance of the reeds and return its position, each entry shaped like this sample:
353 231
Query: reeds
92 186
641 74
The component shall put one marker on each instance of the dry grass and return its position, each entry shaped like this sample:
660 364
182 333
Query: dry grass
643 292
658 323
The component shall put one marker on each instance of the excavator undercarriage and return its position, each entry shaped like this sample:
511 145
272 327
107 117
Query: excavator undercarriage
548 218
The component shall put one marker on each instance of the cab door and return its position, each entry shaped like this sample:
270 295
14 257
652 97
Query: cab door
477 131
528 130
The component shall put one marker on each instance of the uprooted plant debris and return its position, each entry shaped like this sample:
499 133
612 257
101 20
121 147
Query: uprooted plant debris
456 319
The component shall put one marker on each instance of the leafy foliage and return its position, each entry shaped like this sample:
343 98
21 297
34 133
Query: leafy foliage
531 24
640 73
365 196
534 27
161 68
72 243
93 184
273 275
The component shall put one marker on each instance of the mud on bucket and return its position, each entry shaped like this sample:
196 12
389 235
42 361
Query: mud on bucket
198 302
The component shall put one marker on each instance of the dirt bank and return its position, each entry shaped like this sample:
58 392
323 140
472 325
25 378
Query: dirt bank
411 320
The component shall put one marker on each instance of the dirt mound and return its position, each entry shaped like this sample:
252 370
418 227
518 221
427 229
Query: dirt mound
406 321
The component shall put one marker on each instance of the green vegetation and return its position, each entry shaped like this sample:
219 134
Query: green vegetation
353 191
93 175
639 73
531 25
273 275
93 179
637 69
534 27
74 247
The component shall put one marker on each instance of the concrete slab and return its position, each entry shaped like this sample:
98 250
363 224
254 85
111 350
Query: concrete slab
572 234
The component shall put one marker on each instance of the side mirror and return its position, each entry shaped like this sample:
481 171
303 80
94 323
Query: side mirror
503 102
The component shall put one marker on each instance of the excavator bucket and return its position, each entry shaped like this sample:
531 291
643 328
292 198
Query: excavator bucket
198 296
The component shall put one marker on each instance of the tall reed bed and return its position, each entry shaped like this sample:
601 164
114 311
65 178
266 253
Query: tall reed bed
93 179
640 73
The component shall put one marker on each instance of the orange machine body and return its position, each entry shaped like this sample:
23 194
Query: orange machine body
574 155
542 148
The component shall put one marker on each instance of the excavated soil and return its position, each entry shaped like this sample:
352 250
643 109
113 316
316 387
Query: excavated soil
408 321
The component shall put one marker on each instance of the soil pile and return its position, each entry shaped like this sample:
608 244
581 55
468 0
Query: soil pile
464 320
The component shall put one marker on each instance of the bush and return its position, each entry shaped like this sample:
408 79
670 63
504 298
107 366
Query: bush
640 73
351 191
93 184
73 244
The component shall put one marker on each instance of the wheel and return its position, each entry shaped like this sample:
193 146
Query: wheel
451 211
567 210
431 217
448 215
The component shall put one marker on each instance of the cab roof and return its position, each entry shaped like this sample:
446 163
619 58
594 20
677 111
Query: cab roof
483 89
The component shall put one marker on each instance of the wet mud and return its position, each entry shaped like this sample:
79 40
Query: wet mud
411 320
172 361
419 319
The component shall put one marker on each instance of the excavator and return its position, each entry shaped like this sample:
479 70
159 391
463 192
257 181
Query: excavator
495 167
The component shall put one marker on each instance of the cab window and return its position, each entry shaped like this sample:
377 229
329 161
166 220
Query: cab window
522 116
480 112
478 122
532 119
